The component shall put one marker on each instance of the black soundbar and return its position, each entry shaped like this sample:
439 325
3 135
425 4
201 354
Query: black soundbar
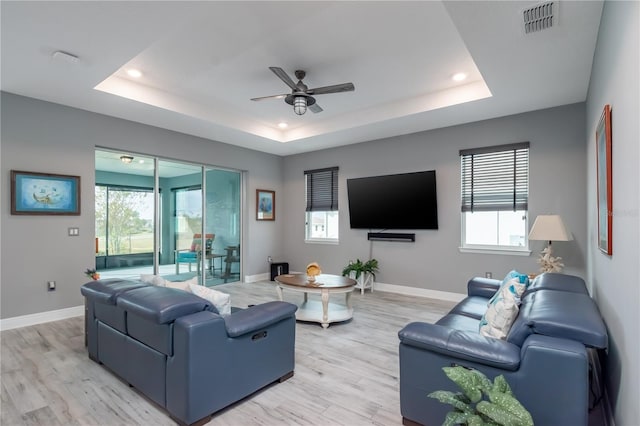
391 236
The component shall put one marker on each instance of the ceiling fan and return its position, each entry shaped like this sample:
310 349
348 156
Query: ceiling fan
301 96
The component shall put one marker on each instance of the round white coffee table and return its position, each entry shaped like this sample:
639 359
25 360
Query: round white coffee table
323 311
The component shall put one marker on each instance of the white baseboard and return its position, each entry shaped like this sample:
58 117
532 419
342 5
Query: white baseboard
39 318
258 277
420 292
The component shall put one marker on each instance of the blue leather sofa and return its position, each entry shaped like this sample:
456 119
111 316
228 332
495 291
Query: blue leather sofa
176 350
544 357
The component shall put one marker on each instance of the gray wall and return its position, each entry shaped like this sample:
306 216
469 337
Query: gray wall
557 176
45 137
614 279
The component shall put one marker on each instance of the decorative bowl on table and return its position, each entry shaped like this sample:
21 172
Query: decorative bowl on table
313 270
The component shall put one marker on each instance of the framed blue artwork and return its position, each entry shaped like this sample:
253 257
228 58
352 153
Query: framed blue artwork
265 204
44 194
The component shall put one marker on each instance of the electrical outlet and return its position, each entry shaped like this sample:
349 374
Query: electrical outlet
51 285
488 275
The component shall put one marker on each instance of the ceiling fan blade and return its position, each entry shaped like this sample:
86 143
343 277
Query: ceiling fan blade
262 98
284 77
315 108
336 88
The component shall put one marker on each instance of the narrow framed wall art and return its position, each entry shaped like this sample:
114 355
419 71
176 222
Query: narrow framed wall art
604 175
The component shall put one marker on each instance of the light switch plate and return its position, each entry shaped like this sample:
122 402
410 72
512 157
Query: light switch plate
74 232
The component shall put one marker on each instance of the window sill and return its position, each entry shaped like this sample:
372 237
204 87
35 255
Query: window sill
327 241
502 251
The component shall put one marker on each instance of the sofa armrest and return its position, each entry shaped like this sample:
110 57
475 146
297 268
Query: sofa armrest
258 317
464 345
483 287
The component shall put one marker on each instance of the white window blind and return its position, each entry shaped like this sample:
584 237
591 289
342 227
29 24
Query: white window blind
322 189
495 178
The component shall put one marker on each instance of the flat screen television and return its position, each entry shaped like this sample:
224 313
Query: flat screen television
400 201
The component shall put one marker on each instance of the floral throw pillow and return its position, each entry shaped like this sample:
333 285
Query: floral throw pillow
518 280
501 312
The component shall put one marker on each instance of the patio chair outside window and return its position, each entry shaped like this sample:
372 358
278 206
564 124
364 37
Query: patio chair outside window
194 253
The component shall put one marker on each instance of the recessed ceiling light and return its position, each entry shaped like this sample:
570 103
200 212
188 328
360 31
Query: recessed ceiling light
134 73
283 125
459 76
141 161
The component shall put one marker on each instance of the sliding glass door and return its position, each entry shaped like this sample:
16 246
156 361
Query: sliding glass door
187 214
222 218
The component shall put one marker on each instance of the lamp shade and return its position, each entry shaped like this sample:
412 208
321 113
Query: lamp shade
549 227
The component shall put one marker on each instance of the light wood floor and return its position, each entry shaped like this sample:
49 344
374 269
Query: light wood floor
344 375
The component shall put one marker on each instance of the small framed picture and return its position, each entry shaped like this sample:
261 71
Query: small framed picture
44 194
604 176
265 204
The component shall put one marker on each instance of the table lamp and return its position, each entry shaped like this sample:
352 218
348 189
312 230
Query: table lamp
549 227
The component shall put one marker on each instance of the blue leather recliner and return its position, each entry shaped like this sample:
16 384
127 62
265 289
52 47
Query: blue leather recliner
173 346
544 358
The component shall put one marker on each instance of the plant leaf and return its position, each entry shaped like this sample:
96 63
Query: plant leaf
500 385
467 380
456 418
452 399
462 397
502 402
496 413
475 420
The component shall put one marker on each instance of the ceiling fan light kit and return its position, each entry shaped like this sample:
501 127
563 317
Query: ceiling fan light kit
300 105
300 96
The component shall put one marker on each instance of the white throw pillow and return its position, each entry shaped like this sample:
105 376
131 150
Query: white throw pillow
157 280
501 313
220 300
152 279
182 285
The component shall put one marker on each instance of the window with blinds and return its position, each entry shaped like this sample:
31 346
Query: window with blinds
322 189
495 196
321 195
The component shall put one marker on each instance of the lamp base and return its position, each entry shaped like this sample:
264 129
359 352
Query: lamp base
548 263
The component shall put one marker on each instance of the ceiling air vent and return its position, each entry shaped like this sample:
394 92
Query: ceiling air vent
540 17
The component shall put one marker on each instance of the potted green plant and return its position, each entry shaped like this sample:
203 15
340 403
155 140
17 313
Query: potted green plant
363 272
470 407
